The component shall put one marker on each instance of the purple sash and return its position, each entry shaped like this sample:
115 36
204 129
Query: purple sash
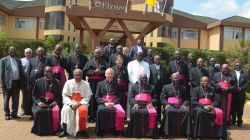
218 112
229 98
152 115
119 114
143 97
119 118
108 98
174 100
55 118
181 76
205 101
96 77
60 70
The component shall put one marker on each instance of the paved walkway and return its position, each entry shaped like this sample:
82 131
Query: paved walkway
20 129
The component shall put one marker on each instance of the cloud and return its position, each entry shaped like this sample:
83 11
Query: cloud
215 8
245 10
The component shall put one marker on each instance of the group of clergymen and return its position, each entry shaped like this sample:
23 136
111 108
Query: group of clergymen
118 84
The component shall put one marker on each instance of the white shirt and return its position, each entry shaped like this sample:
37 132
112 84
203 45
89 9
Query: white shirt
135 69
139 49
25 64
14 68
238 75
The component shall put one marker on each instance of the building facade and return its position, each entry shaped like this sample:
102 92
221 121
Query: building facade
41 18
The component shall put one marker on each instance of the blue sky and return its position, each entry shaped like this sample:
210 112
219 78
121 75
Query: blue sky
219 9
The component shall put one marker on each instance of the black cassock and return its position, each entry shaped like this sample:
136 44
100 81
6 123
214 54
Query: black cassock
58 61
44 118
158 78
212 70
76 62
112 60
93 79
149 60
190 65
196 74
182 68
138 125
108 50
218 81
176 121
121 77
106 117
204 121
35 71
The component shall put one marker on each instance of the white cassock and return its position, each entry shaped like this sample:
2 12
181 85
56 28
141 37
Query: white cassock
72 94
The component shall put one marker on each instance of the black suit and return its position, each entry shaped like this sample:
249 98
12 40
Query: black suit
196 74
239 97
158 78
180 67
109 50
134 50
76 62
11 87
212 70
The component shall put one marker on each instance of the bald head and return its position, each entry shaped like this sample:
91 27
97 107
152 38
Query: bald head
200 62
157 59
204 81
48 72
77 75
12 51
109 74
58 49
177 54
40 52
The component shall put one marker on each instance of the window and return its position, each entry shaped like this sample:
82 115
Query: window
152 34
2 20
189 34
151 44
59 38
174 32
69 26
55 3
24 23
68 38
232 33
247 34
74 39
165 30
41 23
54 20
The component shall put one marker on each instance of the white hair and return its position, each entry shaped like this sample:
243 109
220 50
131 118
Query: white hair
28 49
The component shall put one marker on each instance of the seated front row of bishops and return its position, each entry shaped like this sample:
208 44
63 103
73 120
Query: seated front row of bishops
64 112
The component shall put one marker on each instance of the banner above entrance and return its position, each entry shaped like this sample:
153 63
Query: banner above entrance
116 5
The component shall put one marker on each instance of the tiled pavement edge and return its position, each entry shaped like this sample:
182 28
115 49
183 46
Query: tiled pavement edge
20 129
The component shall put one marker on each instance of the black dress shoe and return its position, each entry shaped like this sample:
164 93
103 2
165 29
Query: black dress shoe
85 134
239 124
100 134
7 117
62 134
15 117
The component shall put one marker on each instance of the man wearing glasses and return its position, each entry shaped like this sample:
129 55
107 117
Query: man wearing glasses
25 89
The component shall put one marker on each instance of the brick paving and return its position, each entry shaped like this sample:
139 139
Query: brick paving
20 129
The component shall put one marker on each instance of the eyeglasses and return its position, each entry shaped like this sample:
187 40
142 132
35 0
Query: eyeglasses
28 52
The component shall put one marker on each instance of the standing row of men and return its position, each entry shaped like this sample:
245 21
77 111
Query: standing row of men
138 89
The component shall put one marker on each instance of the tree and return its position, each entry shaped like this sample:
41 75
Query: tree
3 43
49 44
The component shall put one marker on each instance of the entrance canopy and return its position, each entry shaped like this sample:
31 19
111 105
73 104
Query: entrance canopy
100 22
